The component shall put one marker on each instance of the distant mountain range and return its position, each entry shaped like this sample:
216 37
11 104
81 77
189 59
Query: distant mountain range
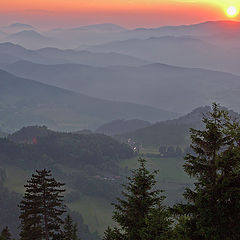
11 53
25 102
20 26
162 86
17 27
108 27
212 31
210 45
201 29
185 51
29 38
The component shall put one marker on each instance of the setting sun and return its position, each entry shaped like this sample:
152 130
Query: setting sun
232 11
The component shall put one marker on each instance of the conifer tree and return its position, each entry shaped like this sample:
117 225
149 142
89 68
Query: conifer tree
41 208
109 234
75 230
139 200
5 234
213 206
158 224
70 229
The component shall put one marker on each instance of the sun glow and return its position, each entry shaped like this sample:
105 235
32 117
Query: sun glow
232 11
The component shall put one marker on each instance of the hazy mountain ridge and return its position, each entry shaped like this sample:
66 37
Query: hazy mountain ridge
163 86
30 39
109 27
26 102
11 53
172 132
117 127
20 25
203 28
185 51
213 31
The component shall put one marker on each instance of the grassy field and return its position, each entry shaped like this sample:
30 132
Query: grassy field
171 176
170 169
16 178
96 212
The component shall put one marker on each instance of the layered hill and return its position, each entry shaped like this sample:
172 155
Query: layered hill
25 102
117 127
29 38
105 27
185 51
163 86
11 53
200 29
172 132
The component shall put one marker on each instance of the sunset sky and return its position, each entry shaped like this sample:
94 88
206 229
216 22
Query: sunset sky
129 13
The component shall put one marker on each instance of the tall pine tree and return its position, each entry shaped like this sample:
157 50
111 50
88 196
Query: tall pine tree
41 208
213 206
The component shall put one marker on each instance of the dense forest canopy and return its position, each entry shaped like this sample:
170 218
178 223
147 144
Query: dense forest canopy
34 146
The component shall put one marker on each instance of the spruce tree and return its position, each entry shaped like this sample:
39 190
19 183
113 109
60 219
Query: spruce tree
75 230
213 206
5 234
109 234
139 200
158 224
70 229
41 208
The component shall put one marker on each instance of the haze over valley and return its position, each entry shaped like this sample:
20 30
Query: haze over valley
91 101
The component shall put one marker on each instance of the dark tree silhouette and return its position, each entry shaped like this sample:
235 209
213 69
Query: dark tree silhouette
42 207
212 211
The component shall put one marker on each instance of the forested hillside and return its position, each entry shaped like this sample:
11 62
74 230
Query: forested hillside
172 132
28 146
88 163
